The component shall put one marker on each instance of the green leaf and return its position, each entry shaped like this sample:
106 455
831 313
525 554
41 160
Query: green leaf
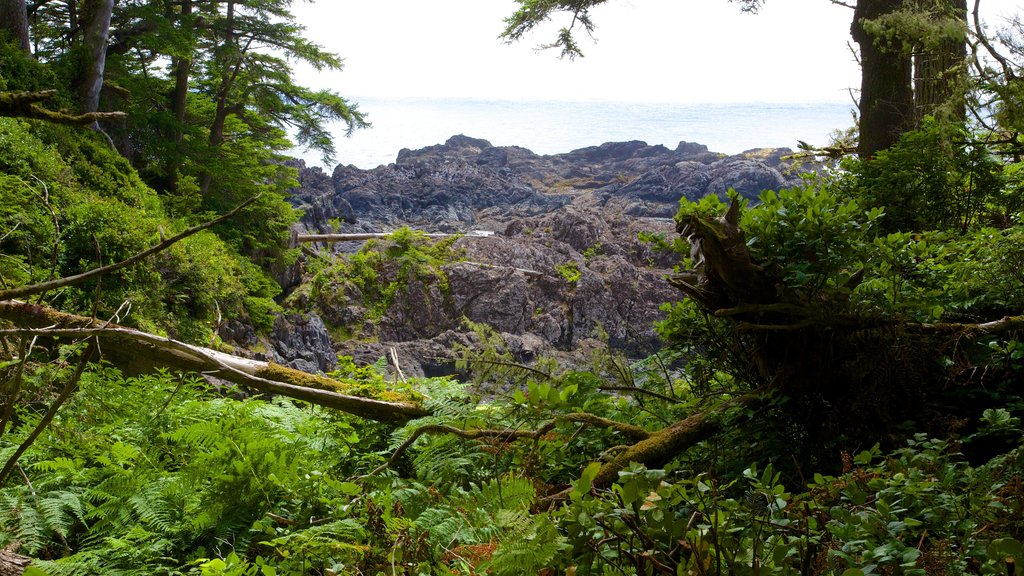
582 486
1005 548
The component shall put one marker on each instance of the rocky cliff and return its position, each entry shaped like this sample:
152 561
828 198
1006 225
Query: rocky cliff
561 262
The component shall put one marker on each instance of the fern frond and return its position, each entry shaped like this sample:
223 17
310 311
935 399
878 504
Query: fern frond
507 491
60 510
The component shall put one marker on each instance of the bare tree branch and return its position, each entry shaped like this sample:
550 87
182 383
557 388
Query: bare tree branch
65 395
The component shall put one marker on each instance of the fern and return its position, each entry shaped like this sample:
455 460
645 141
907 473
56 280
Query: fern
528 545
446 460
61 510
506 492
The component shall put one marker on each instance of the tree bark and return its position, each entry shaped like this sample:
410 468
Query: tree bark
886 90
97 15
14 20
12 564
939 70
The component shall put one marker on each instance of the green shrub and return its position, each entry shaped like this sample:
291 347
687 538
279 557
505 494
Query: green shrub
382 270
935 177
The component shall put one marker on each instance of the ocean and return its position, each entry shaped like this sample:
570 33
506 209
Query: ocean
552 127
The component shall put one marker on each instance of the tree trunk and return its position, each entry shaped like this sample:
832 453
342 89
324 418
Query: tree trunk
14 20
886 90
228 73
179 101
96 14
939 71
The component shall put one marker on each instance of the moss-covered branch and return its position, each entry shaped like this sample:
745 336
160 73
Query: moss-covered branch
634 433
1004 324
662 446
137 351
26 105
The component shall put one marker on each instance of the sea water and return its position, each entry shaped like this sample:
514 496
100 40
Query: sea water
552 127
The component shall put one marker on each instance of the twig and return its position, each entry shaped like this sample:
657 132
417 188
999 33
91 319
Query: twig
65 394
637 390
12 397
28 482
398 369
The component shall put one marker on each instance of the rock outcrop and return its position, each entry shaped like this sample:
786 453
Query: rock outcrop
467 182
563 263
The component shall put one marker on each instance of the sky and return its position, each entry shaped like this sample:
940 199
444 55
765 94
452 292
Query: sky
682 51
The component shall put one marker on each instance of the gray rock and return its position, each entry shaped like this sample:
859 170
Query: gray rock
301 341
583 208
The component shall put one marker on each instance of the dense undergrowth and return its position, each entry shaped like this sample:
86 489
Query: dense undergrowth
68 203
162 475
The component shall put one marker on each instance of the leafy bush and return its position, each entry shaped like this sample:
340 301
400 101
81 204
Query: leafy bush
382 270
935 177
917 511
810 238
68 204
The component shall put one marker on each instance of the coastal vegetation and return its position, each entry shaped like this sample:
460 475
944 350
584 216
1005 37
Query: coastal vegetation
838 389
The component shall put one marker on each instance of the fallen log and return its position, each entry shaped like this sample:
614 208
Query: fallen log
137 351
297 238
12 564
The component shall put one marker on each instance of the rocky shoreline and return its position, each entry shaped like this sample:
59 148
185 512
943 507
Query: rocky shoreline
582 210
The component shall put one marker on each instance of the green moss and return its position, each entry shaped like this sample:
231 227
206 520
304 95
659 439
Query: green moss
569 271
281 373
374 387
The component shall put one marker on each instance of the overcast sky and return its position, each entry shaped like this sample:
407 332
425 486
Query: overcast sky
688 51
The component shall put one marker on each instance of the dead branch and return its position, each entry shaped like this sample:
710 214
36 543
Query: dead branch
634 390
69 389
631 431
12 564
137 351
1004 324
